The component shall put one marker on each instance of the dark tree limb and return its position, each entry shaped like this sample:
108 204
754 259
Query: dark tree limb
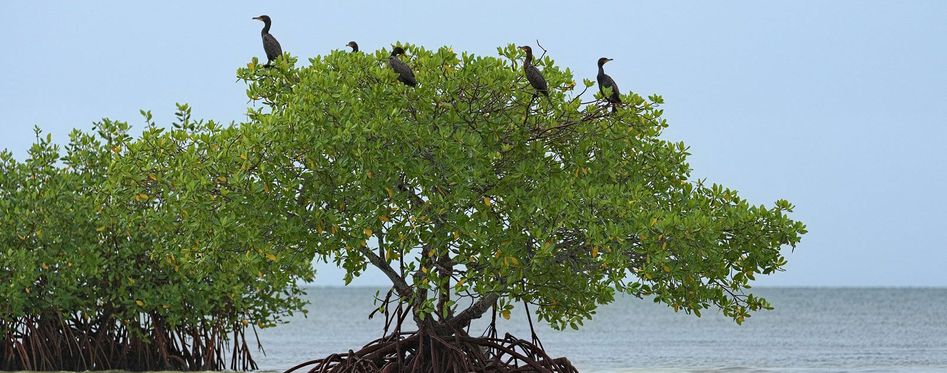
399 283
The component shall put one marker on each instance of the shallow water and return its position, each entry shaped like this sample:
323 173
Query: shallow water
811 330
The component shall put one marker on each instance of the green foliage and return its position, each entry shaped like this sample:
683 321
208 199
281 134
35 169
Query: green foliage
466 188
168 229
481 188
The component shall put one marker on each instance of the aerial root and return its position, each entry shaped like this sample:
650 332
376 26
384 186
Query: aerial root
423 352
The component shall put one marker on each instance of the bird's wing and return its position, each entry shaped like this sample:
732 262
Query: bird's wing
606 81
609 82
407 70
535 78
404 71
271 46
398 66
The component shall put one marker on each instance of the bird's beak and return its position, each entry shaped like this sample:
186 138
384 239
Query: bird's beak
609 59
256 18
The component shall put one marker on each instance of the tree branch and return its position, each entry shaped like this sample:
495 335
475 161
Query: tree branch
473 312
399 283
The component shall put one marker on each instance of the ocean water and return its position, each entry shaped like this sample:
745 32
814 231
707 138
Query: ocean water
811 330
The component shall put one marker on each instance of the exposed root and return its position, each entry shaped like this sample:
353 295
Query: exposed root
427 352
57 343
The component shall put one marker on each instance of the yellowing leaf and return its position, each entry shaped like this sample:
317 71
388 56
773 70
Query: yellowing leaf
487 201
141 197
100 229
654 221
271 257
383 218
505 314
424 269
390 193
595 251
666 268
456 235
368 232
140 303
44 265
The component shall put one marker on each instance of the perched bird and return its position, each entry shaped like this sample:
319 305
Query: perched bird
405 75
353 45
605 81
533 75
270 45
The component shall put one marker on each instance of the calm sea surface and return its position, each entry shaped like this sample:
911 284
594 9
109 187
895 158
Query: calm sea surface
811 330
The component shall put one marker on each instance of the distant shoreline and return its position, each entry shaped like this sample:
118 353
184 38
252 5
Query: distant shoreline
781 287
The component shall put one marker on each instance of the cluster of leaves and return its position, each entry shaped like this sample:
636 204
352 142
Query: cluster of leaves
470 187
467 189
171 230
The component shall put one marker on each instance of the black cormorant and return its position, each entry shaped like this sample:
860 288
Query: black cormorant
352 44
533 75
405 75
605 81
270 45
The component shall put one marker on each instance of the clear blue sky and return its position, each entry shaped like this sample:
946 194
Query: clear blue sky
839 107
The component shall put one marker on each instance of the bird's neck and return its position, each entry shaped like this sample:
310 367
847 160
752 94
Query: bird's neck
266 28
601 69
529 59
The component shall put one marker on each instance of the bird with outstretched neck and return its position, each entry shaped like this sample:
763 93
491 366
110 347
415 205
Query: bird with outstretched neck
405 75
533 75
270 45
605 81
352 44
